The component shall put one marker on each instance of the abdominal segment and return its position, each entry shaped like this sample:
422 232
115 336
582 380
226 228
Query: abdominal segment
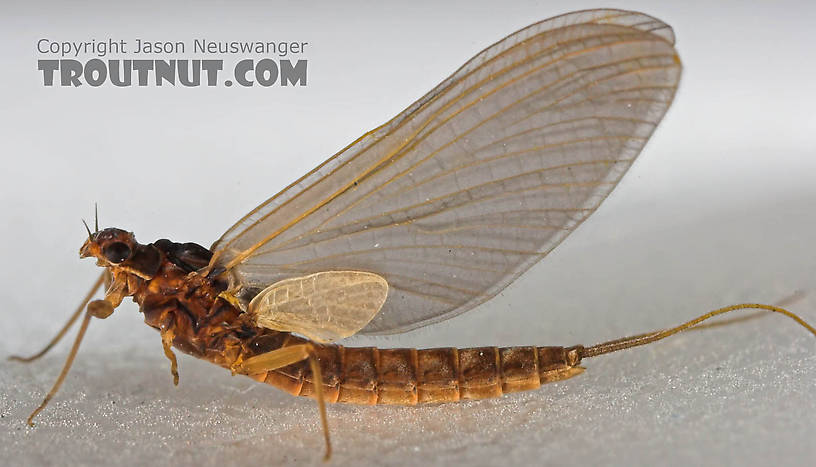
368 375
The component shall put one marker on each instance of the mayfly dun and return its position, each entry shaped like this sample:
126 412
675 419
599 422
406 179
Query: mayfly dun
421 219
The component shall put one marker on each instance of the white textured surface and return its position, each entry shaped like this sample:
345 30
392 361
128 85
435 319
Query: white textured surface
719 210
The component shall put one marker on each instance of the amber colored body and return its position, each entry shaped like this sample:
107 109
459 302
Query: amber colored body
177 301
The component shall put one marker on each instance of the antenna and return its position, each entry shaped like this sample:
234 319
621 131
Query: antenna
90 235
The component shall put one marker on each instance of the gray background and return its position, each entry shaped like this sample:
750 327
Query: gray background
718 210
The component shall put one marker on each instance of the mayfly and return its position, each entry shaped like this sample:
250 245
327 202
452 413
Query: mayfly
419 220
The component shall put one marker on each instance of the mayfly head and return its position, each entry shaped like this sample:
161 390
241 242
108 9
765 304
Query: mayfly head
118 249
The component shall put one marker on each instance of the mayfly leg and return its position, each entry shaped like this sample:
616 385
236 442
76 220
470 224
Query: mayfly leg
96 309
103 279
286 356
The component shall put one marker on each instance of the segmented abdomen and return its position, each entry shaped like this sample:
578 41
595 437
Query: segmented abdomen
368 375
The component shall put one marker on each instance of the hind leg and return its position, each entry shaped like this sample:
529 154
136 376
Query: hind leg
286 356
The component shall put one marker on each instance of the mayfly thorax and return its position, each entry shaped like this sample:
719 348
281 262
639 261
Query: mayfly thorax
421 219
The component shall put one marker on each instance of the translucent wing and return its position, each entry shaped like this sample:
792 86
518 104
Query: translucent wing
324 307
462 192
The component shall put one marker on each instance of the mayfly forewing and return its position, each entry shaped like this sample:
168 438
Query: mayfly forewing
479 179
325 307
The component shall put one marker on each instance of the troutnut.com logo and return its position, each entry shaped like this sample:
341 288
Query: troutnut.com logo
122 63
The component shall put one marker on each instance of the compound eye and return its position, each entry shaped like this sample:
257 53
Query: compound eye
116 252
